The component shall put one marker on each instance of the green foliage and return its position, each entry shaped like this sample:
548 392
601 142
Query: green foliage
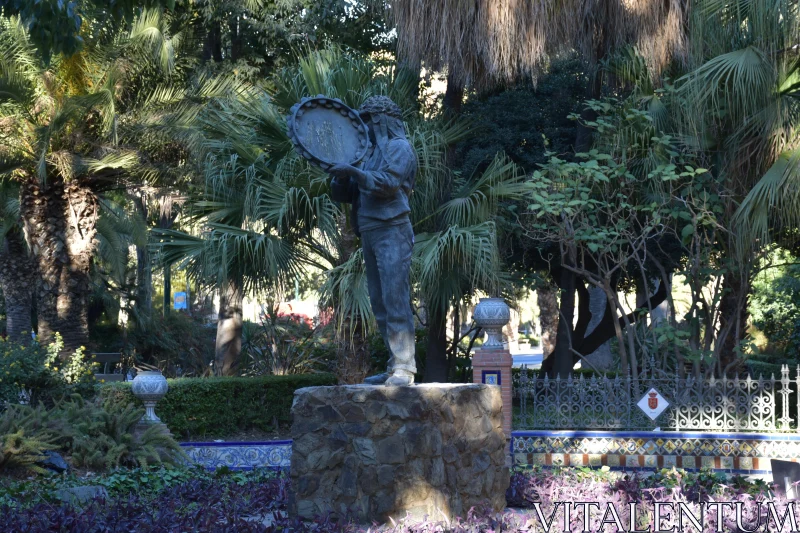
525 121
222 406
23 368
53 25
95 435
704 483
591 204
102 437
77 370
775 305
20 451
122 482
155 480
280 345
36 372
180 345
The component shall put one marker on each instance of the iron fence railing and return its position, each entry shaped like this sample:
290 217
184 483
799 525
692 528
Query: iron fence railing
728 404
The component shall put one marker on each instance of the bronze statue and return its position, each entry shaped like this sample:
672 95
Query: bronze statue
378 184
379 191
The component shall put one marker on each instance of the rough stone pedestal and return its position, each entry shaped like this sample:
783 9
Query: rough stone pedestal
380 452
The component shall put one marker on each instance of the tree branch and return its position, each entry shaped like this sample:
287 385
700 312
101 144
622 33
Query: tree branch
605 330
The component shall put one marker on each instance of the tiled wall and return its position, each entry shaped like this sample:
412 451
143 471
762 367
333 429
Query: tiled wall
730 452
741 453
240 455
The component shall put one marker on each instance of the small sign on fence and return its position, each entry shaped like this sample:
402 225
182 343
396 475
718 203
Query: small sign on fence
653 404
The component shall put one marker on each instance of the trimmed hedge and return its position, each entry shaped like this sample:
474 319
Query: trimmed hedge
210 407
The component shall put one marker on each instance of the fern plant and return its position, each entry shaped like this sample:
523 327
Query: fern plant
96 436
105 437
18 450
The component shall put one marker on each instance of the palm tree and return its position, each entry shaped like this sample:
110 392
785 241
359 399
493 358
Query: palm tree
64 142
16 267
738 109
486 43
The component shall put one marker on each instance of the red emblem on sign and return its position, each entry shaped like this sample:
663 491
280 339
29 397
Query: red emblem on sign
652 401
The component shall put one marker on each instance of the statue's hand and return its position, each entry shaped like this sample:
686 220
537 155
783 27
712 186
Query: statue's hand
342 170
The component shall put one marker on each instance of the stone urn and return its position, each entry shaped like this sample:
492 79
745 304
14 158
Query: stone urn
491 314
149 386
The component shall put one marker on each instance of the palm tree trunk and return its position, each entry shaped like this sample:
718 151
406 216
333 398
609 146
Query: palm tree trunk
436 365
229 328
17 282
733 319
60 223
167 299
144 270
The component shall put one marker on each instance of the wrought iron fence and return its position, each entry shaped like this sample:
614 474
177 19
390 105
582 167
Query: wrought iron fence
729 404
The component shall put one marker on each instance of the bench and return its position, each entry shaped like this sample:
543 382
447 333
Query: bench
108 361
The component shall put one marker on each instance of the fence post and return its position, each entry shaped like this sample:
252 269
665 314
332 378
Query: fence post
785 419
797 395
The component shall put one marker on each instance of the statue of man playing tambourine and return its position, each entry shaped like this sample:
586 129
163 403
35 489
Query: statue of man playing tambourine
379 191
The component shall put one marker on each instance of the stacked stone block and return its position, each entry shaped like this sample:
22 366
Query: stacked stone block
375 452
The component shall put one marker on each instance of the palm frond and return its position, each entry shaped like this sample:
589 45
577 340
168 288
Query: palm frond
476 201
740 81
450 263
773 203
148 31
345 289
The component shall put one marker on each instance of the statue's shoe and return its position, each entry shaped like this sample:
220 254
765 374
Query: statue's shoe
400 379
377 379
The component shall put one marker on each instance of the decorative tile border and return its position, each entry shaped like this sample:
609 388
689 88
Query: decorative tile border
240 455
745 453
741 453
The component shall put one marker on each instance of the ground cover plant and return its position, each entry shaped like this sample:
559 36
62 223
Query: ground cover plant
167 499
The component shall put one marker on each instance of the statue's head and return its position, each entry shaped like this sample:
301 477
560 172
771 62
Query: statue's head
383 118
375 106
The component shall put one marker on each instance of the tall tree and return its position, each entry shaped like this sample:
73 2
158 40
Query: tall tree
65 127
16 267
738 103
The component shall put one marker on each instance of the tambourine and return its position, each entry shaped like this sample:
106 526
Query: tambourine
326 132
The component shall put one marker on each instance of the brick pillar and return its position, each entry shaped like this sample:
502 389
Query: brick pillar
493 367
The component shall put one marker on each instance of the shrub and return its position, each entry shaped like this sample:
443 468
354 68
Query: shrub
102 437
96 436
222 406
20 451
279 345
775 305
179 345
35 373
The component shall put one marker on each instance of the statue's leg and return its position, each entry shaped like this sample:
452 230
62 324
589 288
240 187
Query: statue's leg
375 298
374 281
393 257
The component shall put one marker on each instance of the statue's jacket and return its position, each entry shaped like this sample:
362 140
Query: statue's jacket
381 198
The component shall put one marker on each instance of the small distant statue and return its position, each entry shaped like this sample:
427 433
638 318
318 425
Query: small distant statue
379 192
